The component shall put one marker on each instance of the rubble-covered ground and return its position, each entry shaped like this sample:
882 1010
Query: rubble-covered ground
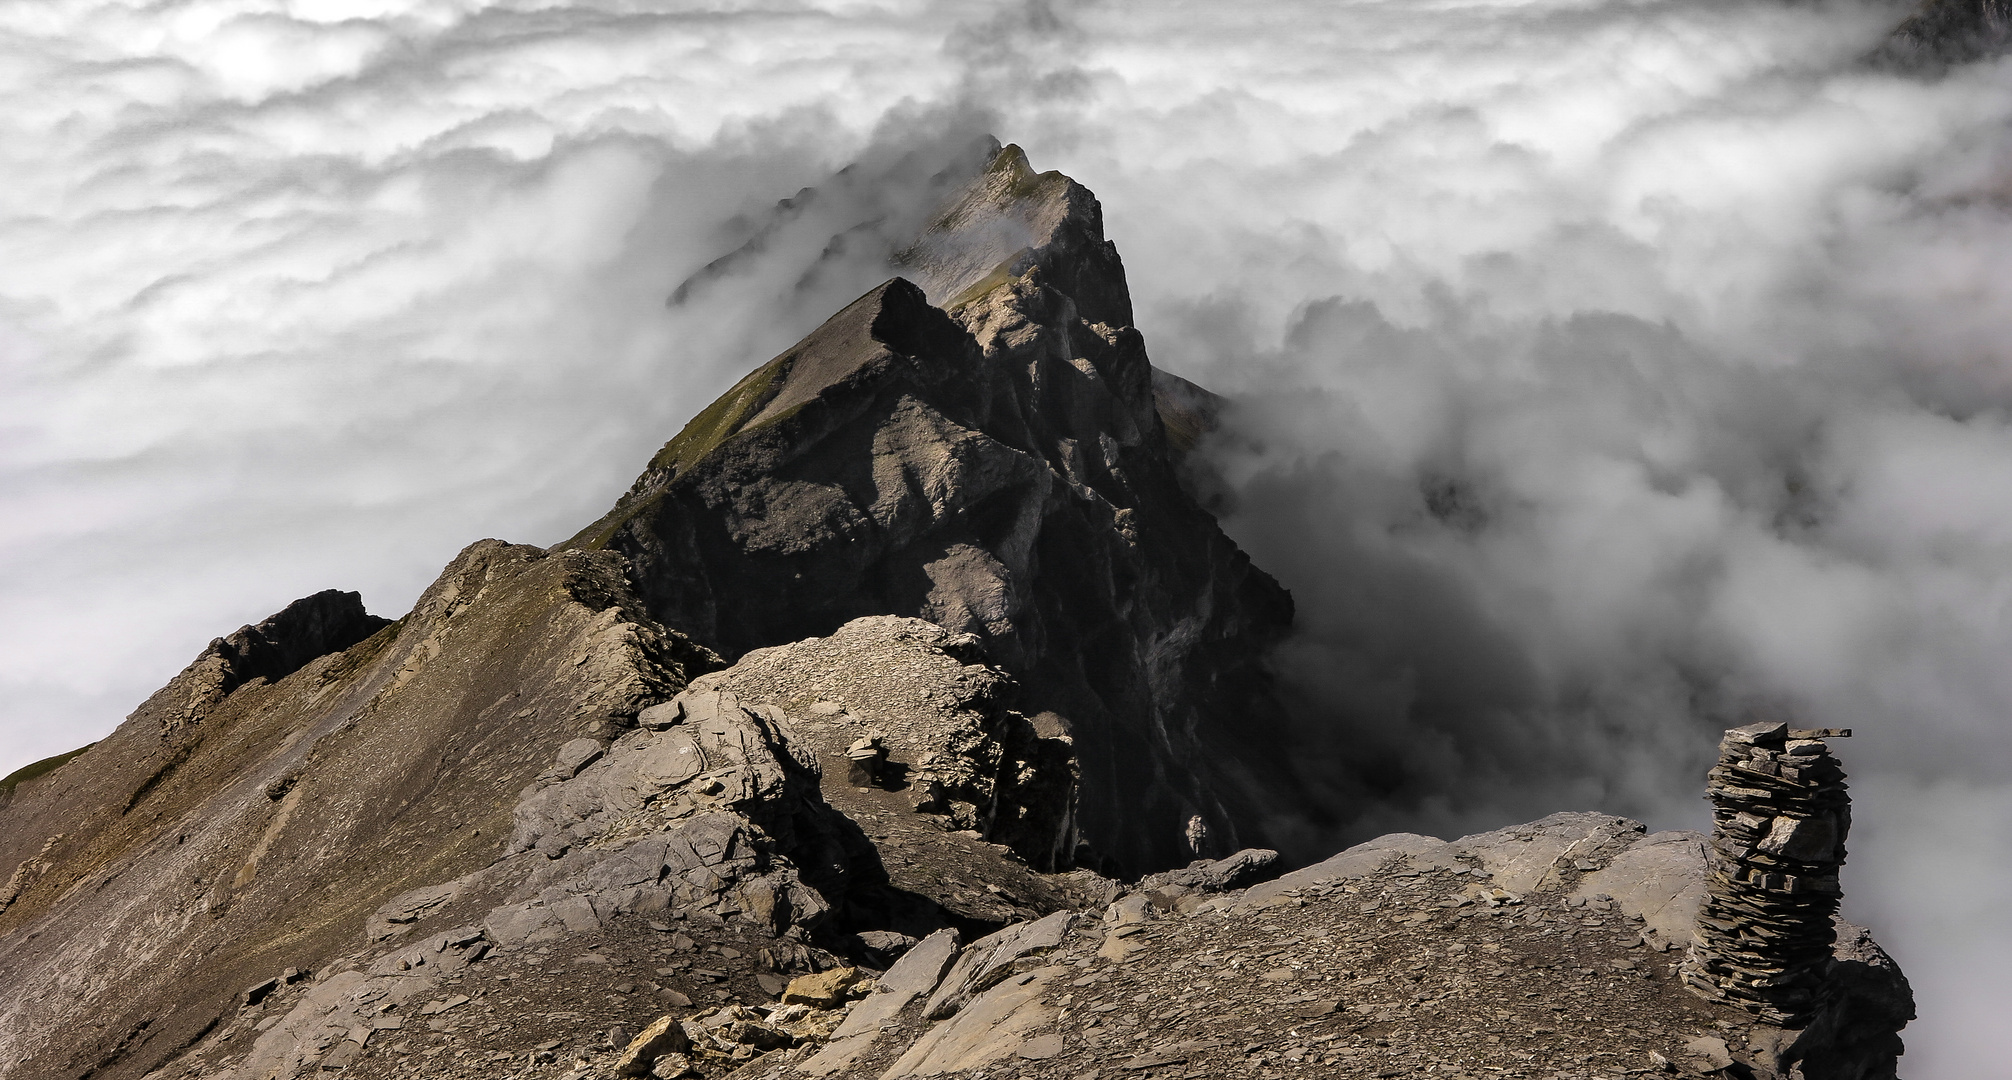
1545 950
710 894
1412 967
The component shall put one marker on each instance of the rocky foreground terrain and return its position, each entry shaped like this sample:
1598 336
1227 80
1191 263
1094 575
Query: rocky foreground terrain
906 718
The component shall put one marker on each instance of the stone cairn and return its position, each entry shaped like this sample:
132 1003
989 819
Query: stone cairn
1763 939
868 755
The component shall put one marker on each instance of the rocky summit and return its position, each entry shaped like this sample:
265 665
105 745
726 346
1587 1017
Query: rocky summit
982 447
907 717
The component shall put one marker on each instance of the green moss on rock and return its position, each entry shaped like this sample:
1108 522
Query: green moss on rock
720 420
38 769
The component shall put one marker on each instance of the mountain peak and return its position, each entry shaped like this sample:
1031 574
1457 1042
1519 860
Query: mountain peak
983 449
913 620
1009 220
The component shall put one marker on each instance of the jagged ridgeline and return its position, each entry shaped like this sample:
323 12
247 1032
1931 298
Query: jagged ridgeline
780 769
981 443
976 443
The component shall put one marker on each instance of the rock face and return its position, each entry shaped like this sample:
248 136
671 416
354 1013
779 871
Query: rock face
934 713
1943 32
981 448
313 626
195 852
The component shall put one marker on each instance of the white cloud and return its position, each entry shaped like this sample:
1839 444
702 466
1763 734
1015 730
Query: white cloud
1618 365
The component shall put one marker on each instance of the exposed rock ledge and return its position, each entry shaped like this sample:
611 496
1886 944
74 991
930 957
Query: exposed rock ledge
1544 949
689 874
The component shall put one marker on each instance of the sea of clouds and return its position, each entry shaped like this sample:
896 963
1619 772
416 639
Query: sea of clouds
1607 371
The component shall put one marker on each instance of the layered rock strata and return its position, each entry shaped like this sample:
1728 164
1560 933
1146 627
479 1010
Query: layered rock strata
932 712
691 816
1780 815
983 447
313 626
693 871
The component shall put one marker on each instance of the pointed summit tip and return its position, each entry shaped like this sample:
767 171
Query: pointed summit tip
1009 220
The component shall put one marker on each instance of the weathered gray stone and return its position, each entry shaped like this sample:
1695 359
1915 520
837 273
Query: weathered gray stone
992 1027
921 968
1359 861
1131 908
1660 878
994 957
574 756
886 942
1523 858
662 715
1246 867
663 1037
1711 1050
257 992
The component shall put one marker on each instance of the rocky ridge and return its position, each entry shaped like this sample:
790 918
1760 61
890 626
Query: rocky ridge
190 853
679 899
997 465
1542 950
979 632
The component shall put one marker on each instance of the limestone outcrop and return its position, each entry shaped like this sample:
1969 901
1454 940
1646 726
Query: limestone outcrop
313 626
982 447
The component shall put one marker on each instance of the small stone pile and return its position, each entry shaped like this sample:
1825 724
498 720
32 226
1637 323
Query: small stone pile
1763 939
868 755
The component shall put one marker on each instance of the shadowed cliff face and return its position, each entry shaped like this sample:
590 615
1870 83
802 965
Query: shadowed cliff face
996 465
1943 32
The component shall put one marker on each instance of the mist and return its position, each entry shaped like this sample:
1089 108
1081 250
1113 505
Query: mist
1606 373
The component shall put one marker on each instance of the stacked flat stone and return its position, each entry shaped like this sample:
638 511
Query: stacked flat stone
1780 811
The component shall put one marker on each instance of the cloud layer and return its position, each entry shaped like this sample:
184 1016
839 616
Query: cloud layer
1609 371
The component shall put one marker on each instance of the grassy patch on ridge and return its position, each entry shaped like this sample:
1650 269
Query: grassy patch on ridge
37 769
